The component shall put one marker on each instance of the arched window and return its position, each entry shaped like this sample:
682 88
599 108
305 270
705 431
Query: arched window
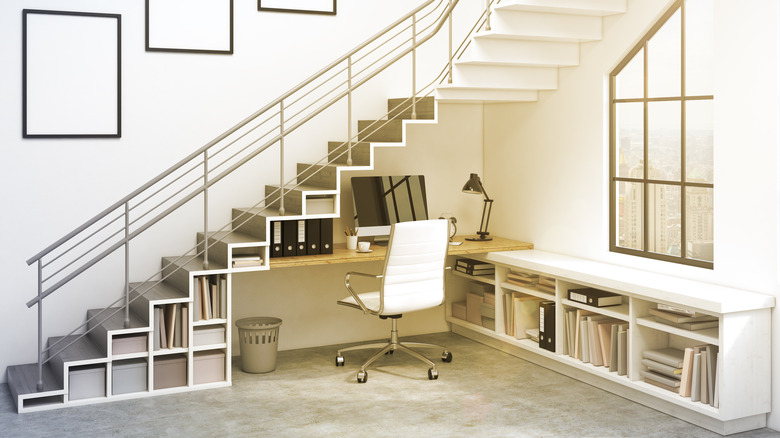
661 140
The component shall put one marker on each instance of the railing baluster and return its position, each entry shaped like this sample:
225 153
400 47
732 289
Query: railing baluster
40 327
414 66
349 111
127 265
449 62
281 158
206 209
487 14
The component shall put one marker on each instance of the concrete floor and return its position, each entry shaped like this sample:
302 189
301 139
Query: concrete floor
482 392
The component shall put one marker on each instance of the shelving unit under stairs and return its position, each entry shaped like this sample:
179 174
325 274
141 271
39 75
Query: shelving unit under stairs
732 333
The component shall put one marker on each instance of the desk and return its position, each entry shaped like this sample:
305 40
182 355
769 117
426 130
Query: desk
342 255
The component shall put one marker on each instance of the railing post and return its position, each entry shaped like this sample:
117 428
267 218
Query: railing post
39 385
349 110
449 58
487 14
414 66
281 158
127 265
205 209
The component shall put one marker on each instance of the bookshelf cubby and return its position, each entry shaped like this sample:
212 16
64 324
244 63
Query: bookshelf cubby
741 337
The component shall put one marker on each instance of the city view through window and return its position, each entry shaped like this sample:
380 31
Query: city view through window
661 163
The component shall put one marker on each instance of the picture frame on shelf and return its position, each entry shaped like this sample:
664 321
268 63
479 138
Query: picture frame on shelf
71 74
189 26
322 7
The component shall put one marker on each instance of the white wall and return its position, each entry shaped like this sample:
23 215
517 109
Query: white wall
173 103
547 163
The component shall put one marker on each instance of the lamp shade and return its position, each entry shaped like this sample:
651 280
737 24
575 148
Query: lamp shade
473 185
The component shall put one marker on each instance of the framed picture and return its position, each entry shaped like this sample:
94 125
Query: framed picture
71 74
192 26
324 7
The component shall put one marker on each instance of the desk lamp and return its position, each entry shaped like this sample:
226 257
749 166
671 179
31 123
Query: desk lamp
474 186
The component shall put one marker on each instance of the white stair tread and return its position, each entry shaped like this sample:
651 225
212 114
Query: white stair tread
580 7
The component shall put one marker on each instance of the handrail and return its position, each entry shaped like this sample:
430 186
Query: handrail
261 139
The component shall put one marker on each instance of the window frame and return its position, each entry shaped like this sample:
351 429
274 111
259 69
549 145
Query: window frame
647 182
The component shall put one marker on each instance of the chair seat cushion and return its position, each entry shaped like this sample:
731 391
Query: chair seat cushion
393 306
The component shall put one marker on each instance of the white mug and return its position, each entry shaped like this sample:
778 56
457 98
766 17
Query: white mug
364 246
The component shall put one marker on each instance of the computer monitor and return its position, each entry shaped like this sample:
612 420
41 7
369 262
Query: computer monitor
380 201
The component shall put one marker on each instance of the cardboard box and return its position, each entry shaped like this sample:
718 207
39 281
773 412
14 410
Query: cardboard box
208 366
208 336
459 310
127 344
170 371
129 376
474 308
88 381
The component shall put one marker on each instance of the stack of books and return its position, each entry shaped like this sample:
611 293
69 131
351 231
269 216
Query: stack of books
684 319
474 267
664 368
523 279
546 284
691 372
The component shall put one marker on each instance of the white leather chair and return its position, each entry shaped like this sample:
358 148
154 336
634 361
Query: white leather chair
412 279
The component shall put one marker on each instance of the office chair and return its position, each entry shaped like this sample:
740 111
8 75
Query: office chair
412 279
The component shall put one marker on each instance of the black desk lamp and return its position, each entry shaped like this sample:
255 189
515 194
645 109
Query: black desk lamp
474 185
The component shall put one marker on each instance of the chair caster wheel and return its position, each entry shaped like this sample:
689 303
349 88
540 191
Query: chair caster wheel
362 376
433 374
446 356
339 361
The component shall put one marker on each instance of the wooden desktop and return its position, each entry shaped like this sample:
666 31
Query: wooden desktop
342 255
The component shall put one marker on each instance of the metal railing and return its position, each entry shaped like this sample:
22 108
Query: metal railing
117 226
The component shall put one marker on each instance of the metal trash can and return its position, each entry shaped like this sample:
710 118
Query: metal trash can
258 341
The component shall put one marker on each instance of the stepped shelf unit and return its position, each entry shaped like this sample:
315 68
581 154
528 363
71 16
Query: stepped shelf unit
742 336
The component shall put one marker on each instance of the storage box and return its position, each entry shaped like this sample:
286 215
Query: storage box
208 366
129 376
126 344
474 308
459 310
208 336
87 381
170 372
488 323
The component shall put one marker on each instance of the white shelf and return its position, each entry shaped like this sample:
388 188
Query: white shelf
742 336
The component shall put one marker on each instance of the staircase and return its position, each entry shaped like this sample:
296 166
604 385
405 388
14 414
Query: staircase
528 42
123 357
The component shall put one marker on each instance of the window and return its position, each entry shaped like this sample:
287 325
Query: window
661 141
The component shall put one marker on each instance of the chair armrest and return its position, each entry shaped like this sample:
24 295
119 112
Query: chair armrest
352 291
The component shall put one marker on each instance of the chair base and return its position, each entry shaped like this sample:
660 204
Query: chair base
391 346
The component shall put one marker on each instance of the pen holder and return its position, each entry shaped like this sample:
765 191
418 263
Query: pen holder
352 242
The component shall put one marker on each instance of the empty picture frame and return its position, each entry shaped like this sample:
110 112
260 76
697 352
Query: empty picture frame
71 74
324 7
190 26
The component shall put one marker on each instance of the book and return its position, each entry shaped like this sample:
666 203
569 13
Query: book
613 363
581 313
525 314
676 317
660 378
245 261
687 373
583 341
661 385
185 326
277 243
474 272
595 297
622 348
474 267
670 356
696 377
547 325
703 386
662 368
690 325
605 341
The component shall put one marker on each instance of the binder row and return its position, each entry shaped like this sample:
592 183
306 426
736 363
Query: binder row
301 237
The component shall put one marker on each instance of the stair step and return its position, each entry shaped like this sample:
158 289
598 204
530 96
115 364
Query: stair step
519 53
361 153
103 321
177 270
318 175
220 245
23 385
456 94
72 350
582 7
401 108
318 200
252 221
542 26
523 78
390 131
152 291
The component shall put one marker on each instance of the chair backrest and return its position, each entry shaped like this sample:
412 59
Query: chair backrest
414 267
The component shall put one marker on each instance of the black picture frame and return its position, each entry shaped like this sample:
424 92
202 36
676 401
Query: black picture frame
71 74
320 7
189 26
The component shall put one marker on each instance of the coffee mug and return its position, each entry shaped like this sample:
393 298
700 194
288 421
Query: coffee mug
364 246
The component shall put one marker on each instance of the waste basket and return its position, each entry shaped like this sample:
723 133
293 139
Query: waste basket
258 341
